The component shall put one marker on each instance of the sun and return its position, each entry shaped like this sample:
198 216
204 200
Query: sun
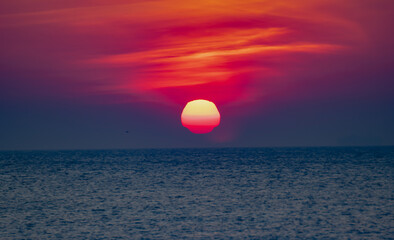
200 116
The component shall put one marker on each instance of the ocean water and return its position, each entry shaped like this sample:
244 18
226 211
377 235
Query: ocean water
256 193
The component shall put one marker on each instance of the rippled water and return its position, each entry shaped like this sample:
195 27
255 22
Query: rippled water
277 193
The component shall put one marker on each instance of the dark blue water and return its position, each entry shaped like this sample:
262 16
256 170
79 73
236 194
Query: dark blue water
278 193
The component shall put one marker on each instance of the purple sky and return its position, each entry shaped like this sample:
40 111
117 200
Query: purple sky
117 74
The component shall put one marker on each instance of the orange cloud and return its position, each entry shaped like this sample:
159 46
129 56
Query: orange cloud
207 42
185 44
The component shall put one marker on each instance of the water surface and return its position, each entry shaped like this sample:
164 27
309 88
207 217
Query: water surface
260 193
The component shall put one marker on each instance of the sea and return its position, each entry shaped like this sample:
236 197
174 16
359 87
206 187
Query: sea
227 193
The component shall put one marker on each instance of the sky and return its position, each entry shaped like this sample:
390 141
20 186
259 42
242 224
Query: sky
116 74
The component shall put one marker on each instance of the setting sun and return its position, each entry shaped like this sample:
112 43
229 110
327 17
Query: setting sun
200 116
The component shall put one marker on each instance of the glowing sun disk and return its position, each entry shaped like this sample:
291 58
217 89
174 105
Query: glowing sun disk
200 116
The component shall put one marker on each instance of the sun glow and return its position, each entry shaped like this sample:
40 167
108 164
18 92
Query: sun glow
200 116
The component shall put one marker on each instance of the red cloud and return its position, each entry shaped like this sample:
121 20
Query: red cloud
230 51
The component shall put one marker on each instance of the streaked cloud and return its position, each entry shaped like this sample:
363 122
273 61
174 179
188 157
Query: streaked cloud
155 47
